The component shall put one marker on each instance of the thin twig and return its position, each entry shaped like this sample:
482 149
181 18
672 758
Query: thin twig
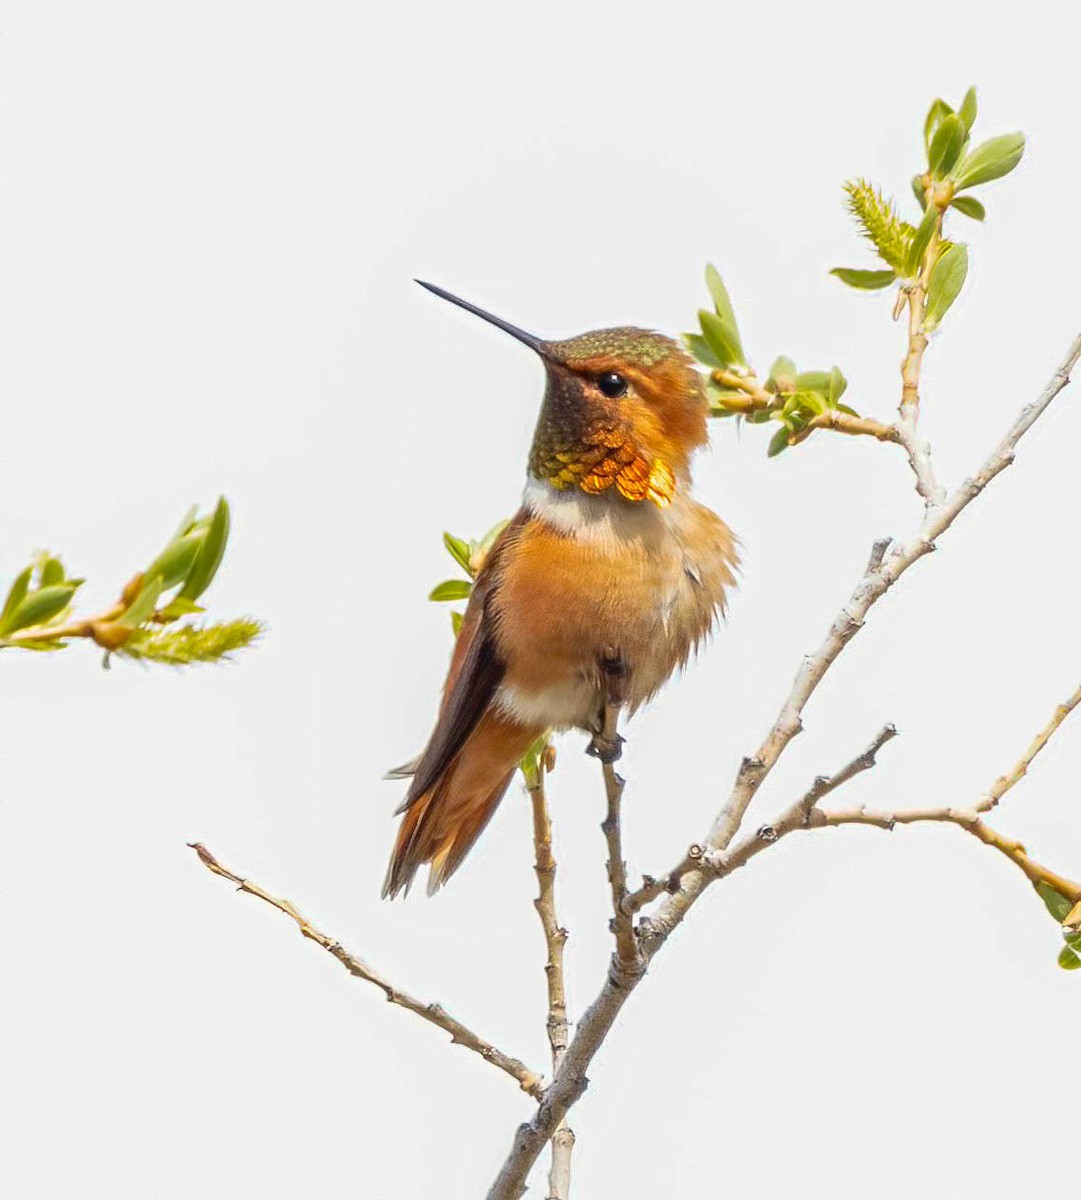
919 453
755 398
97 627
627 955
1020 768
799 815
570 1080
529 1081
842 422
964 818
968 818
555 940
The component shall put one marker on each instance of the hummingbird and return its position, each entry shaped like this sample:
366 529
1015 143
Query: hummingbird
602 585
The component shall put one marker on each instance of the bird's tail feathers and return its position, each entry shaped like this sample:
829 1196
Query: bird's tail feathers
440 826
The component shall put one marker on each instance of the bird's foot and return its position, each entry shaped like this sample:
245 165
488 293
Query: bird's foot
608 750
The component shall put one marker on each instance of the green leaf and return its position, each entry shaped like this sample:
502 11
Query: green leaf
970 206
947 280
532 759
935 115
845 409
15 596
52 572
967 111
186 524
699 347
456 619
142 607
837 388
778 442
723 304
867 281
179 607
488 541
813 381
918 191
175 561
1055 902
206 565
458 550
720 339
990 160
759 417
451 589
40 606
800 407
925 231
1069 959
946 146
782 375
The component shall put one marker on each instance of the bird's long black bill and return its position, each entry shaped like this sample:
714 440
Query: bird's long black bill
529 339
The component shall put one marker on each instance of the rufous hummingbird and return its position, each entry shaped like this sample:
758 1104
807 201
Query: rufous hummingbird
599 588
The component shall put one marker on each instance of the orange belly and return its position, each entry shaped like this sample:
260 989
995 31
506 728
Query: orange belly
592 578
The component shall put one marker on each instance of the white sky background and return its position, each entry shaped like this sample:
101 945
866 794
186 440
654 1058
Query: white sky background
211 217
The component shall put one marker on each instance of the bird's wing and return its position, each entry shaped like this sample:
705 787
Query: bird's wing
476 671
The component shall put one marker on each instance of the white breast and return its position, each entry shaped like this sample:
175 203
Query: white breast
607 520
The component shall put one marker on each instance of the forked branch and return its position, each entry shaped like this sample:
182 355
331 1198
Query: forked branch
690 881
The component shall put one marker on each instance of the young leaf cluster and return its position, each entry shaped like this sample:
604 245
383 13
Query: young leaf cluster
718 345
795 397
918 254
40 597
470 556
37 611
1060 906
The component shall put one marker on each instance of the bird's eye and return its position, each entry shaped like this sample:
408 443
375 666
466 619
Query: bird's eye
612 384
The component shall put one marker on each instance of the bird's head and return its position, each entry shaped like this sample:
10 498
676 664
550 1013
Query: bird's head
624 408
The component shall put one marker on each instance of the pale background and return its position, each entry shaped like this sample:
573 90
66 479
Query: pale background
211 215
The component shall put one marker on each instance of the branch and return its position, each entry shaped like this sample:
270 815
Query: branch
755 398
881 573
81 627
799 815
1020 768
555 938
529 1081
842 422
968 818
964 818
919 453
627 956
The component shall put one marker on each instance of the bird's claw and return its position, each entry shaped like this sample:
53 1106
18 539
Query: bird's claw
608 750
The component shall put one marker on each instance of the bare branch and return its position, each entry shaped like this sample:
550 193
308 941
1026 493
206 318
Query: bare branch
964 818
570 1080
877 580
968 818
555 938
799 815
529 1081
1020 768
627 954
